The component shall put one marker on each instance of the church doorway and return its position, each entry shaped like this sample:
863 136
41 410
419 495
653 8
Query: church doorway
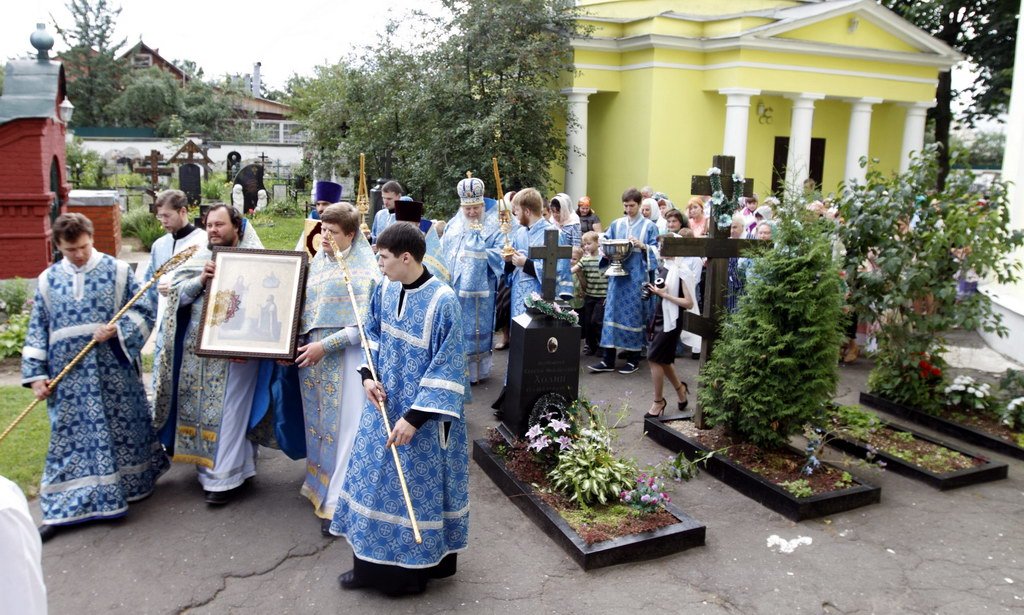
817 163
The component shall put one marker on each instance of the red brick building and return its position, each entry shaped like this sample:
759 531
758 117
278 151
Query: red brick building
33 177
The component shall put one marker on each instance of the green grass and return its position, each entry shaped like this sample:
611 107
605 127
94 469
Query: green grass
23 452
279 233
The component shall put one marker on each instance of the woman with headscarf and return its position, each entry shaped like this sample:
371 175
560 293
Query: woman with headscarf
649 209
568 223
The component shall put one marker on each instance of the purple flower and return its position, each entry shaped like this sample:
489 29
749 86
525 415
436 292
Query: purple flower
559 426
645 498
564 443
533 432
539 444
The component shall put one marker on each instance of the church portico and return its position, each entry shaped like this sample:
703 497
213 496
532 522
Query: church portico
807 89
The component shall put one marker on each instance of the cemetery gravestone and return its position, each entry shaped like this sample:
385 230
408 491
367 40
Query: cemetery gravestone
233 164
544 352
250 178
190 182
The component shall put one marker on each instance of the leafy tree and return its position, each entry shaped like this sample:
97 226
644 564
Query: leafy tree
486 85
149 97
1 78
907 245
91 64
776 364
985 148
986 32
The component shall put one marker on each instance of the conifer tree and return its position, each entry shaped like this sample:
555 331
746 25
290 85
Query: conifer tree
776 362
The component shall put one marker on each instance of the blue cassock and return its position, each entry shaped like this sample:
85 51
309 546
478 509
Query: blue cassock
522 283
103 451
381 220
421 362
624 324
474 259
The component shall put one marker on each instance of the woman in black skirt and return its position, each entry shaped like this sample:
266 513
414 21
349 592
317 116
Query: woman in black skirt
676 293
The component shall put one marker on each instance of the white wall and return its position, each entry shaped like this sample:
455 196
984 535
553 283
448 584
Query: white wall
112 149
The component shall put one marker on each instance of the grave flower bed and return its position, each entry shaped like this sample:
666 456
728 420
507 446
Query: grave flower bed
600 508
784 479
939 464
971 411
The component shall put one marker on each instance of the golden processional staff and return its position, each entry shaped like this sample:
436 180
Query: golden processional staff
373 373
174 262
504 215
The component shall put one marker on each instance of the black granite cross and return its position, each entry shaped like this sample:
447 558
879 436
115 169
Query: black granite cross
717 248
550 253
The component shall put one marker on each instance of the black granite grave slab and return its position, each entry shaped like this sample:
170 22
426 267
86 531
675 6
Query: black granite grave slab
647 545
549 362
950 428
759 489
985 472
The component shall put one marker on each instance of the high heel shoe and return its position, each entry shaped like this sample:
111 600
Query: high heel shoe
651 415
685 402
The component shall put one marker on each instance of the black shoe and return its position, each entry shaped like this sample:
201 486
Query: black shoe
601 367
347 580
325 528
695 356
629 368
685 402
47 532
218 498
652 415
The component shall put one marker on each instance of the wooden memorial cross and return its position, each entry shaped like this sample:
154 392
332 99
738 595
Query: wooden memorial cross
154 169
717 248
550 253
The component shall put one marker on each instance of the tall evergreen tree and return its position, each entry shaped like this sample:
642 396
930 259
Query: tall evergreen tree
93 71
775 365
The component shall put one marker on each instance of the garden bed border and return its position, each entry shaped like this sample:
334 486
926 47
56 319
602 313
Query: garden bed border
758 488
990 471
667 540
966 433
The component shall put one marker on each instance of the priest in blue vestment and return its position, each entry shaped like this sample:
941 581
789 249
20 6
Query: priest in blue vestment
624 316
330 354
103 452
414 331
172 212
525 273
390 192
472 249
207 408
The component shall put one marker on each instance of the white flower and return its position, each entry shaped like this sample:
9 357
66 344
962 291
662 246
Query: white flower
714 171
979 393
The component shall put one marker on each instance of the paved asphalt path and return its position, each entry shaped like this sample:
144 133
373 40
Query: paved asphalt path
919 551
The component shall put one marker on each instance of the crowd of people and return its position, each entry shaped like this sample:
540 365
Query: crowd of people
432 298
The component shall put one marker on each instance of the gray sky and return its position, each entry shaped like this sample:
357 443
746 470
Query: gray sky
226 37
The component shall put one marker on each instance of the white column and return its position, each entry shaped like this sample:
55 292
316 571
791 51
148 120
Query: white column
1013 154
798 163
913 131
737 119
576 141
859 138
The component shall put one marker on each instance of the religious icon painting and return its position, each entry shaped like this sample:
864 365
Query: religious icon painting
253 304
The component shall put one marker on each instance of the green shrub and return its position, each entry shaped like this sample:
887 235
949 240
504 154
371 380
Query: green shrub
590 473
143 225
12 335
13 295
919 242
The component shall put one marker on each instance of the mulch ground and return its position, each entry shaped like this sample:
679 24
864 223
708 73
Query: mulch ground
775 465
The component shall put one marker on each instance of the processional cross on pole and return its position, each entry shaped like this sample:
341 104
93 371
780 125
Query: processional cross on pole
549 253
717 248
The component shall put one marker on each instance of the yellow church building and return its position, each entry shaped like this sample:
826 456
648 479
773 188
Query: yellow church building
791 88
